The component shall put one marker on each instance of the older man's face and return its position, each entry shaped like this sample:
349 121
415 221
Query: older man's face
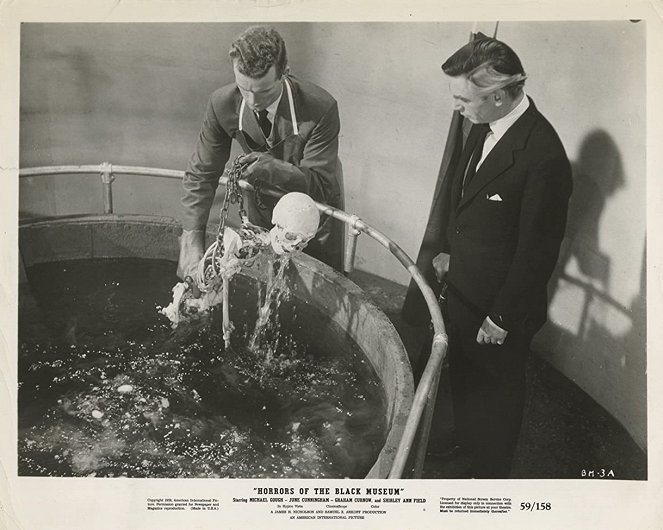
259 93
476 107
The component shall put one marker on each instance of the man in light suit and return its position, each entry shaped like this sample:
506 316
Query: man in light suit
288 128
501 215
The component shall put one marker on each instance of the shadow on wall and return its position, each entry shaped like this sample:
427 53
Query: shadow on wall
593 338
598 174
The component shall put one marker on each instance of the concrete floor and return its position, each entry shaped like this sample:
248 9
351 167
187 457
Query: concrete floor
565 433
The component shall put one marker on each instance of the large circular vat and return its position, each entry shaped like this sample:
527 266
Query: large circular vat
314 287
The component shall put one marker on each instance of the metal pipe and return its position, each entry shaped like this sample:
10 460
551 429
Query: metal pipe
58 170
227 326
424 397
107 179
351 246
92 169
427 419
421 396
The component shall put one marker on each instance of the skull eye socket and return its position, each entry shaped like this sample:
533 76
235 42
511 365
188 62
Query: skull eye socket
290 236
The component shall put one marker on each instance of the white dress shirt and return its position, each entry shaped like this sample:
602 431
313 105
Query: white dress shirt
271 110
499 127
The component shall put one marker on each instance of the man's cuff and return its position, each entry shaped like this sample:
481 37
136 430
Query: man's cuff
192 240
195 233
497 320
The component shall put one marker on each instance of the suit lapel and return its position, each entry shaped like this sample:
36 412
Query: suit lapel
251 128
501 157
282 128
453 149
459 170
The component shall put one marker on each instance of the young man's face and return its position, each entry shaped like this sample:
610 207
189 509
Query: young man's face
478 108
259 93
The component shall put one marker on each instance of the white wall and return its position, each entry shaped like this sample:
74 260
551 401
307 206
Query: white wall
596 99
589 80
135 94
395 114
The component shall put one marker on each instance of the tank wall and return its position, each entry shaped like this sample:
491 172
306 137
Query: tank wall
312 283
125 93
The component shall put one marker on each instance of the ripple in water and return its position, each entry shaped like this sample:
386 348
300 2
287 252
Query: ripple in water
106 388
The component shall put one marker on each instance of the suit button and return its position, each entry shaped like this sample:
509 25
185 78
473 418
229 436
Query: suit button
458 230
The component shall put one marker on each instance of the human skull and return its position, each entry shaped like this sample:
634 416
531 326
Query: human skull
295 218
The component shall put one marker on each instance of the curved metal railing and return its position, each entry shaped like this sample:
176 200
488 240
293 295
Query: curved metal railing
421 414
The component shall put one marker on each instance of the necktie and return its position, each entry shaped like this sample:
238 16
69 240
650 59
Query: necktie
484 129
264 123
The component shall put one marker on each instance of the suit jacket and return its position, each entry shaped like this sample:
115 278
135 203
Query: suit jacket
306 161
505 232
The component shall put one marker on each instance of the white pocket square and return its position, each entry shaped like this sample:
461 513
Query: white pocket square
495 197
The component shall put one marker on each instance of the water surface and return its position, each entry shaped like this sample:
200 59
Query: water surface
107 388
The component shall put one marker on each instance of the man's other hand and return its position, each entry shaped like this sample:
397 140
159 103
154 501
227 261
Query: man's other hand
441 265
192 247
491 333
256 166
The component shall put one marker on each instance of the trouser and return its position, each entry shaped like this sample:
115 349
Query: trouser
487 389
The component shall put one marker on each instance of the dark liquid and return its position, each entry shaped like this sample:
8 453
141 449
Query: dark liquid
186 406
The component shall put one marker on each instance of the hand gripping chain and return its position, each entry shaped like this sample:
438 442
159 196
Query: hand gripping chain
210 267
224 257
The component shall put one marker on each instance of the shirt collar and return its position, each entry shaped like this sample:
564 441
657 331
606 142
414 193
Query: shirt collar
271 110
499 127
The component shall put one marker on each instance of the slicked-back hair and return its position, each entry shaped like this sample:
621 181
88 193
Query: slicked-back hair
489 64
258 48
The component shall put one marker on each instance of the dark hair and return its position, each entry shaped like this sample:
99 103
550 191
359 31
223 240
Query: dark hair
488 63
257 49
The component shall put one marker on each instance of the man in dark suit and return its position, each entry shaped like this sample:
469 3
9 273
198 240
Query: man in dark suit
501 212
288 129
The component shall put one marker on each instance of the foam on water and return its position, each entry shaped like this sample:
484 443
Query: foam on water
107 388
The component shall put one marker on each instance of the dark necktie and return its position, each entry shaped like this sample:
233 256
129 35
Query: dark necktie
484 129
264 123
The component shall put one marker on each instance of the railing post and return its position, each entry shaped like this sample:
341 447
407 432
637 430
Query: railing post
439 344
351 246
107 179
421 414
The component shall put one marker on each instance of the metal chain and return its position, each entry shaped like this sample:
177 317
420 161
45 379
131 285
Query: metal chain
257 186
233 195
